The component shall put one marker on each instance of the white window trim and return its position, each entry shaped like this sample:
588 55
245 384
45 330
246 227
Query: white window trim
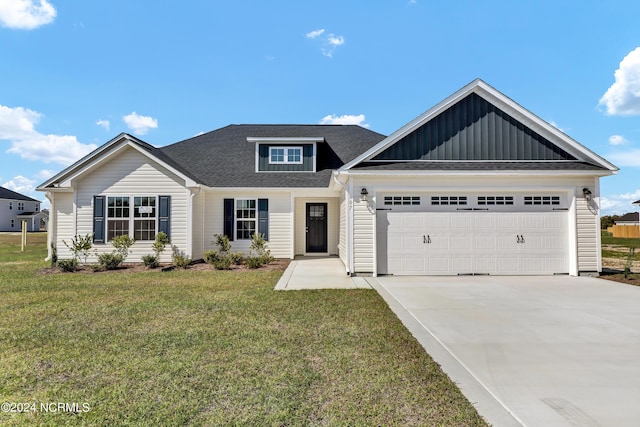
132 218
286 150
236 219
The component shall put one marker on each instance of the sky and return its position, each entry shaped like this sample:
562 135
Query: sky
74 74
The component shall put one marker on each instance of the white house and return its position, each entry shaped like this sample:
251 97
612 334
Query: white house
475 185
14 207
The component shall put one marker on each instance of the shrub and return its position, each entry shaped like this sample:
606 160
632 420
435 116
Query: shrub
180 259
110 261
150 261
80 246
222 242
237 258
254 262
210 256
223 263
629 263
68 265
122 244
259 248
162 240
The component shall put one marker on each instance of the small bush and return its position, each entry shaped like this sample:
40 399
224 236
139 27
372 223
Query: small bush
237 258
254 262
150 261
223 242
210 256
68 265
122 244
110 261
162 240
180 259
258 249
80 246
223 263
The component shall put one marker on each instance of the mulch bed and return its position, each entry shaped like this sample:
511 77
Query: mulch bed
276 265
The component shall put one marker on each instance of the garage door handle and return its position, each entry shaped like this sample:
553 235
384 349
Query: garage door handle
426 239
520 238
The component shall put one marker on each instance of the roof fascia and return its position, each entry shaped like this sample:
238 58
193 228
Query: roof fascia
514 172
287 140
501 101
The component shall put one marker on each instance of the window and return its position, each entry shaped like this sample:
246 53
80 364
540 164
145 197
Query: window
246 218
541 200
37 208
11 206
20 206
117 217
401 200
285 155
144 218
495 200
448 200
13 223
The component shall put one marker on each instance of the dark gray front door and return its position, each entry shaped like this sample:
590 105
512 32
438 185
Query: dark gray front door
316 227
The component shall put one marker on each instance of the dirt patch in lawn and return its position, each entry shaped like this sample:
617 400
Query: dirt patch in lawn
276 265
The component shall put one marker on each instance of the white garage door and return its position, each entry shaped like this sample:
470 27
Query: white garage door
450 243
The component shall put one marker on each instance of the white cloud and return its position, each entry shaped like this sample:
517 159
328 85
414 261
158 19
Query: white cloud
623 97
329 42
625 158
140 125
346 119
619 203
104 123
315 33
45 174
20 184
26 14
617 140
17 125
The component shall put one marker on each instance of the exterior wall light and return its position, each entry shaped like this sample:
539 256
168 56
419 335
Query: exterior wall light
363 194
587 194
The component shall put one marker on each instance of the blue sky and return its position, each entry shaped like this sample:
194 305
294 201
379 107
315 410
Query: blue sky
74 74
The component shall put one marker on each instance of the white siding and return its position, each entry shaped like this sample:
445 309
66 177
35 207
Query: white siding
342 239
279 221
587 229
197 239
363 236
133 174
333 232
64 221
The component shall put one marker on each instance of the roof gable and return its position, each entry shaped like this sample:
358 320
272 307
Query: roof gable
5 193
479 124
473 129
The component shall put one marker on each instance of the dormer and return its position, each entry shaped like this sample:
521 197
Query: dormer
293 154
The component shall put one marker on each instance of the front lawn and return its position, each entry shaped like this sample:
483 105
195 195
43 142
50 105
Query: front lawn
208 348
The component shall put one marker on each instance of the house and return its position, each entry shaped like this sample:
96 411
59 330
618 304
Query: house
15 207
626 226
475 185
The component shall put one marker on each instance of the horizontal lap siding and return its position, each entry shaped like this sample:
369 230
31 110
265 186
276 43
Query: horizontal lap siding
133 174
342 243
587 229
279 221
363 237
64 222
197 241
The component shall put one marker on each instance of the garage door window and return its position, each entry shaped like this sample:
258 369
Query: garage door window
448 200
541 200
495 200
401 200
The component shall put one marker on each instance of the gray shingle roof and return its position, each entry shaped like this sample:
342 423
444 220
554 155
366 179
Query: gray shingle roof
224 157
478 166
629 217
5 193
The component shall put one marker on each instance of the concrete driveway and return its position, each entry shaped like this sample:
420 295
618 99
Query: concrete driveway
534 351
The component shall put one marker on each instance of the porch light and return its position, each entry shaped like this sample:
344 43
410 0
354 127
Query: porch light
363 194
587 194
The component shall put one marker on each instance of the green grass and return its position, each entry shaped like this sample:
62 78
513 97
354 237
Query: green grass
209 348
618 241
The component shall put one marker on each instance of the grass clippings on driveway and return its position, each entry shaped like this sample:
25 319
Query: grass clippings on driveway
209 348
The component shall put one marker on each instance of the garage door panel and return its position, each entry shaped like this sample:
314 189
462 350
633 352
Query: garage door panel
449 243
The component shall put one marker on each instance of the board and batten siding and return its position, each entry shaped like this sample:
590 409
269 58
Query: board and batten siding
342 236
132 174
279 221
363 237
333 213
587 229
64 223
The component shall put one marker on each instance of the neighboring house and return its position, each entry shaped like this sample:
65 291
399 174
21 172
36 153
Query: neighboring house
629 219
475 185
627 226
14 207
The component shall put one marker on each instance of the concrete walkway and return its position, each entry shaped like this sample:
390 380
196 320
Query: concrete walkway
530 351
319 273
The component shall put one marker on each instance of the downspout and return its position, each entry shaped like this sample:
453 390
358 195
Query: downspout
190 221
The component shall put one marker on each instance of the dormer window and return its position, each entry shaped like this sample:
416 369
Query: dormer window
285 155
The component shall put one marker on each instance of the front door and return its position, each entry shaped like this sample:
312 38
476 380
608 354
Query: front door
316 227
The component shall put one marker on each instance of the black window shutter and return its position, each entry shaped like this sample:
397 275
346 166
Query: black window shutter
164 215
228 218
263 218
98 219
